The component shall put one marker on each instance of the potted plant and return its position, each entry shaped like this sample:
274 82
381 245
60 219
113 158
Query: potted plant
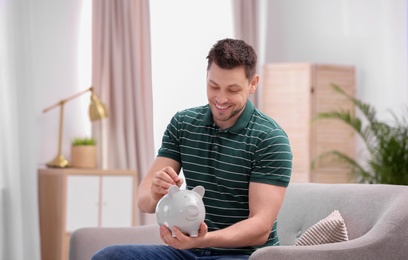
83 153
386 144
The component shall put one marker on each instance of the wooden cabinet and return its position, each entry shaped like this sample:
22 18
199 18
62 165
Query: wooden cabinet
292 93
70 199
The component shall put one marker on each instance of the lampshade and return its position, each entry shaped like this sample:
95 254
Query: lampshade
97 109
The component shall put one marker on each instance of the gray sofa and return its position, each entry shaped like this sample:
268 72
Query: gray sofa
376 217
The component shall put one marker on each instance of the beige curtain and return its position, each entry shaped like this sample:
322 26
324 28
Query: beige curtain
247 27
246 23
121 75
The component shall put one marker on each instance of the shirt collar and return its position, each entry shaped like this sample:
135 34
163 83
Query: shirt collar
241 123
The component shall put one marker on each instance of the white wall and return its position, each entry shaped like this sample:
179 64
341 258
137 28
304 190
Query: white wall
369 34
180 44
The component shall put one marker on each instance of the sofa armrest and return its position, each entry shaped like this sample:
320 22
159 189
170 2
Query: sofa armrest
387 240
85 242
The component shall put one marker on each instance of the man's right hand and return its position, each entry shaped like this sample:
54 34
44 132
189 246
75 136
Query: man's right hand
162 174
163 180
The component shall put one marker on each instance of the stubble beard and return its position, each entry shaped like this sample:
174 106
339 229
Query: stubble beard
233 113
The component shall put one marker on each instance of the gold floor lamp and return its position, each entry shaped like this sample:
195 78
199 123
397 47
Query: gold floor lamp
97 111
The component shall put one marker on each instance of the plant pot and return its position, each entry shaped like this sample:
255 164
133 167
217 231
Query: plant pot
83 156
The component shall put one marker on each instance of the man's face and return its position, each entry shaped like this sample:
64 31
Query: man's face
227 93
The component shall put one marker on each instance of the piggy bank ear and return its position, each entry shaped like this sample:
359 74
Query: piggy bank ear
200 190
173 189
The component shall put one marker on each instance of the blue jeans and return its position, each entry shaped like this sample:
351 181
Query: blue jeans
162 252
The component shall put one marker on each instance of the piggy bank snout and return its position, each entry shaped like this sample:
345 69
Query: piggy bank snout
192 210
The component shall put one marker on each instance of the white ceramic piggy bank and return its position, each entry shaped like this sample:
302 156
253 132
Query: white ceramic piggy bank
183 209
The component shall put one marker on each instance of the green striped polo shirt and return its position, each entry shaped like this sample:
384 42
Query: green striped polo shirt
254 149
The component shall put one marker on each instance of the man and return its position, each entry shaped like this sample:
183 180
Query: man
241 156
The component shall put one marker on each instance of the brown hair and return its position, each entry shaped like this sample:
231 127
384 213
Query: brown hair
231 53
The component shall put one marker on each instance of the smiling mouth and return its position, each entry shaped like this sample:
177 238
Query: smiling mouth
191 219
221 107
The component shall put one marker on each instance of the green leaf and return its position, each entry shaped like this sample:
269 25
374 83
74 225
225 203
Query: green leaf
386 143
83 141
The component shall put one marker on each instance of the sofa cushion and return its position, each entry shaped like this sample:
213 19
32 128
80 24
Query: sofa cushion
328 230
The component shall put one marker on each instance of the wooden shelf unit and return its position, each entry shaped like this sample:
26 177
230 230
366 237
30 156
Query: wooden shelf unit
72 198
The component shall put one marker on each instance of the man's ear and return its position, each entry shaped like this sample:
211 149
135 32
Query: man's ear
253 84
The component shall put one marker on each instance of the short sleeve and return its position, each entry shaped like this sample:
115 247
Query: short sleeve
273 160
170 146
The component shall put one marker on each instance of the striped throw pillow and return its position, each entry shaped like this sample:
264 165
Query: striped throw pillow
331 229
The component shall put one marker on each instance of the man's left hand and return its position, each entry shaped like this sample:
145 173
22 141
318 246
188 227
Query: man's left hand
182 241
